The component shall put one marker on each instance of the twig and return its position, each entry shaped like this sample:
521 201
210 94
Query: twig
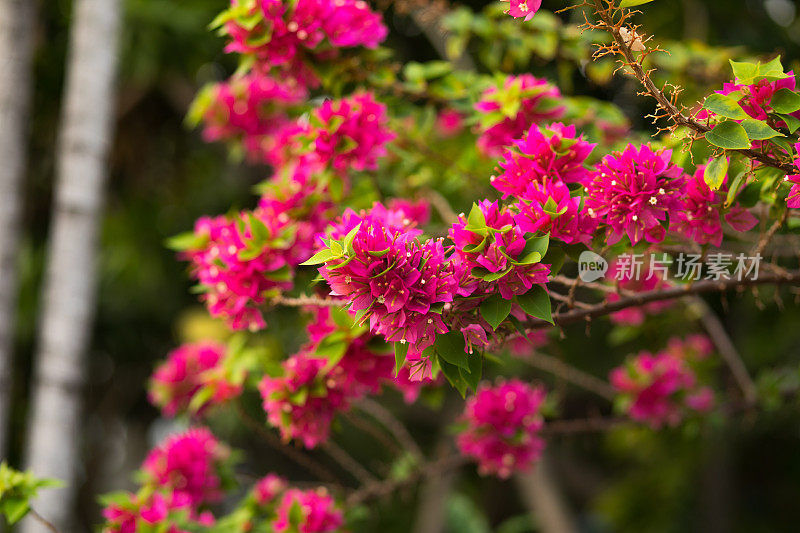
382 488
398 430
373 431
346 461
669 293
762 244
297 456
623 48
569 373
42 520
303 301
727 350
587 425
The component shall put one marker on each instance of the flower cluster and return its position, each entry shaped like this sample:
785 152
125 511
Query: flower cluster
336 368
661 389
793 199
250 108
756 98
493 251
153 511
503 427
351 132
394 281
543 154
308 511
190 465
294 37
241 260
238 261
187 370
633 191
267 490
699 216
508 111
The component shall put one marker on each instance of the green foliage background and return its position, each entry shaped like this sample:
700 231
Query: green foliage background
737 475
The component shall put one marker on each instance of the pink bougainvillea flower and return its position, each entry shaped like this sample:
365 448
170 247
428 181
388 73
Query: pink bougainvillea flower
552 153
524 8
699 217
187 369
494 253
188 464
793 198
503 428
633 192
661 389
308 511
535 102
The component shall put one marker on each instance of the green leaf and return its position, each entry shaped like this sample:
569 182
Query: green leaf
735 185
323 256
758 130
453 375
785 101
476 218
633 3
535 249
186 241
793 123
536 302
716 171
451 348
744 72
258 229
400 352
495 309
15 509
347 243
729 135
473 375
725 106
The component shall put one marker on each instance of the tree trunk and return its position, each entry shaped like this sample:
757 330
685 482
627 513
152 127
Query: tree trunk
68 297
16 54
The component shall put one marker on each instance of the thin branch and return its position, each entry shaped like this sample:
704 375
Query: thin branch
390 422
346 461
762 244
727 350
670 293
587 425
295 455
624 49
371 429
571 374
304 300
42 520
383 488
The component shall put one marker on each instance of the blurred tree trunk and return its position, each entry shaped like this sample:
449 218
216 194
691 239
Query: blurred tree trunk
68 296
16 54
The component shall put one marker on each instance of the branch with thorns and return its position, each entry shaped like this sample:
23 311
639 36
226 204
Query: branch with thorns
628 47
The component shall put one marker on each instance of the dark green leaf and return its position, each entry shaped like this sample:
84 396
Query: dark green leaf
729 135
725 106
495 309
758 130
536 302
785 101
451 348
400 352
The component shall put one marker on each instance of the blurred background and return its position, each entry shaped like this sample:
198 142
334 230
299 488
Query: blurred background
163 177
